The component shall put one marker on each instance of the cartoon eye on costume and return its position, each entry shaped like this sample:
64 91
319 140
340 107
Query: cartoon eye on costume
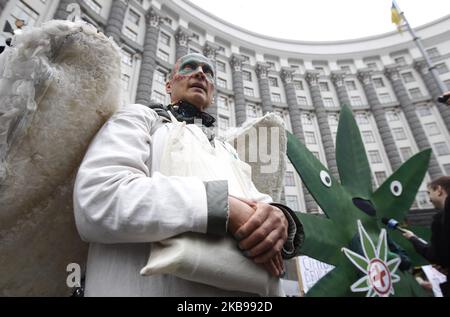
325 178
396 188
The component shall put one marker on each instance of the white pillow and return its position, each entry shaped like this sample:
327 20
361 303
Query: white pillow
211 260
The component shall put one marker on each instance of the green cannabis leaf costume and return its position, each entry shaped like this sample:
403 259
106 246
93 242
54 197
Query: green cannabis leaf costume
325 237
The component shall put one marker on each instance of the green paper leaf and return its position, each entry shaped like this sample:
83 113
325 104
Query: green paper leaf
367 244
410 176
351 158
330 199
322 241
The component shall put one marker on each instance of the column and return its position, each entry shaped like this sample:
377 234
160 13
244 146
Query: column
144 90
210 51
262 71
337 78
296 123
312 77
413 119
116 19
182 38
433 90
238 88
61 13
380 119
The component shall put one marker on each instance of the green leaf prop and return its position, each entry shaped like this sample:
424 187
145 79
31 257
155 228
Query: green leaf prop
349 237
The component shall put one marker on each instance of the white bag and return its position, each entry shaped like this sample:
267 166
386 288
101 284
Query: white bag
201 258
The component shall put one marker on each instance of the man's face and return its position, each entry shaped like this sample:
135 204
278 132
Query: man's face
192 81
437 196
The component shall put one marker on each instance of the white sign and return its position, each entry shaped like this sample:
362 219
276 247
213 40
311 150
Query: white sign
435 277
311 271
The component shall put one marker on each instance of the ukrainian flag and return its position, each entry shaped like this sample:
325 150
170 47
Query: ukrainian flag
395 15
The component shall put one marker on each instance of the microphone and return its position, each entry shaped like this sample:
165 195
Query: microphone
443 99
392 224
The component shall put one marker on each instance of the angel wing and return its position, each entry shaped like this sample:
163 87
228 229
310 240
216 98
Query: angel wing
58 84
262 143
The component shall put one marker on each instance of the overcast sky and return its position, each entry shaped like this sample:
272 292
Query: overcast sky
322 20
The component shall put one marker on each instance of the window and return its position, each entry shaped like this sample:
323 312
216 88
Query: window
442 68
320 69
94 5
164 38
246 58
328 102
130 34
368 137
222 102
125 82
160 77
374 157
298 85
378 82
372 65
400 60
249 92
306 119
273 81
408 77
126 58
276 97
324 86
166 20
221 66
424 111
289 179
221 83
351 85
310 138
423 200
333 120
432 129
406 153
380 177
441 148
399 134
251 111
224 124
163 55
447 83
133 17
195 37
271 65
292 202
158 97
392 116
246 75
415 93
385 98
345 68
433 52
356 101
447 169
362 118
316 154
302 101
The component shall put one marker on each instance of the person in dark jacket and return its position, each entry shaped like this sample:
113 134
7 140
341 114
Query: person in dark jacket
438 250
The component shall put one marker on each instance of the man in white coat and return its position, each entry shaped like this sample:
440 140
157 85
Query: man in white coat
123 203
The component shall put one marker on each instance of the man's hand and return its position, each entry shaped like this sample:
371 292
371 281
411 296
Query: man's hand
408 234
264 234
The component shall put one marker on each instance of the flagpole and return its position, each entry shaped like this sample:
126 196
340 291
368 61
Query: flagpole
419 45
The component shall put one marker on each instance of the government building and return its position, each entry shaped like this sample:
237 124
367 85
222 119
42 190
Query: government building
383 78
